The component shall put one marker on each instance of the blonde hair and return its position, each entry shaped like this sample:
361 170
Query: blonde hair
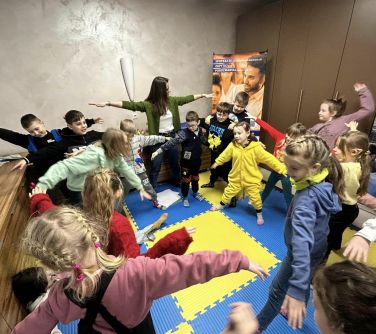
61 238
99 196
312 150
128 126
358 140
115 143
247 128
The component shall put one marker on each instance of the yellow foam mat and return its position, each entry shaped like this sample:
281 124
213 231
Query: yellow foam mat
216 231
182 328
212 195
347 235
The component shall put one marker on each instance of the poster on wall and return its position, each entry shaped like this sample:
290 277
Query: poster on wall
243 72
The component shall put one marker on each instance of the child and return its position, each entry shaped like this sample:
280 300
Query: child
309 164
238 112
219 137
352 152
31 288
333 123
137 142
65 240
281 140
191 139
344 296
102 189
246 154
73 136
108 153
162 112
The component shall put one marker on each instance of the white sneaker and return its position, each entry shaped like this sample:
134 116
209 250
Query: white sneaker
185 203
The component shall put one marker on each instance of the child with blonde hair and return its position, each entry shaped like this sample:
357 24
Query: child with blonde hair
109 294
309 164
109 152
352 152
246 154
134 159
102 189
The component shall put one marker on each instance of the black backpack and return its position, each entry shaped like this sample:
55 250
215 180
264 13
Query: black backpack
93 307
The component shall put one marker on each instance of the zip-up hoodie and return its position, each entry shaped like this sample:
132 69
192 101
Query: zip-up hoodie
306 232
75 169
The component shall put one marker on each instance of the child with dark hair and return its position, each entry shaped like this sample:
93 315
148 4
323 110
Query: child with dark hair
281 140
238 112
220 135
31 287
190 139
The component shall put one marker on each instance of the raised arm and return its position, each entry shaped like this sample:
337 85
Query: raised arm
274 133
14 138
134 106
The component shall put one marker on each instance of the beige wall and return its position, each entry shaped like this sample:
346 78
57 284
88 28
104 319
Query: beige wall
59 55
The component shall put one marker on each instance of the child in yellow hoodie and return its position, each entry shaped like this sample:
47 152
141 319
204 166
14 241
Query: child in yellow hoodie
246 154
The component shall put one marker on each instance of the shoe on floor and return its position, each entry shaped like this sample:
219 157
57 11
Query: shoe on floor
185 203
157 205
208 185
198 196
217 207
260 221
233 202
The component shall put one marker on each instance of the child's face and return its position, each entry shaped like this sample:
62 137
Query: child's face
79 127
241 135
37 129
342 156
324 114
320 316
297 169
239 107
221 117
192 126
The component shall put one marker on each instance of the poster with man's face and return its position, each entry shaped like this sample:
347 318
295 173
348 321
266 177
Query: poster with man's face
239 79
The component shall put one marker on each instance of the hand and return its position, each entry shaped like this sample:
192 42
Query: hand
99 104
358 86
19 165
213 166
295 311
353 125
144 194
258 270
357 249
168 138
74 153
262 145
190 230
37 190
98 120
154 155
231 126
207 119
208 96
242 320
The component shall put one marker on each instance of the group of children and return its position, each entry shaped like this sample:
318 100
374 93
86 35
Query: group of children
327 175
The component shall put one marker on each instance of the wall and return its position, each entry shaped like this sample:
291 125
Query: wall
59 55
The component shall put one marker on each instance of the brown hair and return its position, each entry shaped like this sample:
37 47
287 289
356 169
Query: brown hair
61 238
336 105
158 95
296 130
73 116
247 128
242 98
191 116
347 293
224 108
357 140
128 126
27 119
312 149
115 143
99 196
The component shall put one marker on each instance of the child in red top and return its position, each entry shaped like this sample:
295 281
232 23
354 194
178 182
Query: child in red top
102 189
281 140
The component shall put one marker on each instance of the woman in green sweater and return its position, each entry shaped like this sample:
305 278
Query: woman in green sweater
162 112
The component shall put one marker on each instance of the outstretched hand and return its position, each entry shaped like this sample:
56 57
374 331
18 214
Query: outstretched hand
357 249
353 125
98 120
99 104
36 191
144 194
242 320
358 86
258 270
295 310
190 230
154 155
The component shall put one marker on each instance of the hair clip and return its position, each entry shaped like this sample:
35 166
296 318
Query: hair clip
97 244
80 275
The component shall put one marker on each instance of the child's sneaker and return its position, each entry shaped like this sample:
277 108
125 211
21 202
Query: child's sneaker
185 203
158 206
208 185
233 202
198 196
217 207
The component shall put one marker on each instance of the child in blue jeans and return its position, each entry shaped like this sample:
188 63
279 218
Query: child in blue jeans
309 164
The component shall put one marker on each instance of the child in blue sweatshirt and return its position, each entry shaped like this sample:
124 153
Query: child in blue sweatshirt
310 165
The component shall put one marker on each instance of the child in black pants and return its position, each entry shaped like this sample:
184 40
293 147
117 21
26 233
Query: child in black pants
191 139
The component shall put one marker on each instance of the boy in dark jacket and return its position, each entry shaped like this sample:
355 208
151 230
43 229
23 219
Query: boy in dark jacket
190 139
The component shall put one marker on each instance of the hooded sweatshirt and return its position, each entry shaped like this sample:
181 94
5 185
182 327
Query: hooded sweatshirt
75 169
306 232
